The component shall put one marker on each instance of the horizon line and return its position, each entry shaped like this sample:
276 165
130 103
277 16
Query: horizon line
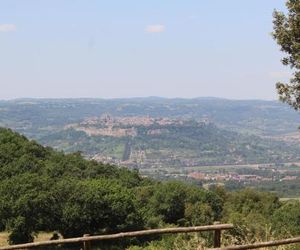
135 97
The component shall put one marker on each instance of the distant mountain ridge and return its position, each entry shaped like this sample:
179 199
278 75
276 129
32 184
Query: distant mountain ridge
250 116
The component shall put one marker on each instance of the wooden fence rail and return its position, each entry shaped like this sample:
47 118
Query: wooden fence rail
261 244
86 240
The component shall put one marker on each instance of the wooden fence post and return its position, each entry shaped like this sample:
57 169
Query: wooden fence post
217 236
86 244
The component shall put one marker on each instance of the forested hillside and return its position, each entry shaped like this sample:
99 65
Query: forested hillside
45 190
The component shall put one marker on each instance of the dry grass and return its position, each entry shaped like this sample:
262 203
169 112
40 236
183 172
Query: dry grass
43 236
256 238
3 239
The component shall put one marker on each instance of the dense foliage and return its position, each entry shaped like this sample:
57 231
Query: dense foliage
287 35
45 190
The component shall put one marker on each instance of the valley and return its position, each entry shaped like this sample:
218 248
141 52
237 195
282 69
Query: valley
202 140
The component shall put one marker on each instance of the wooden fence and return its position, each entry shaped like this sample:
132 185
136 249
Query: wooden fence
86 239
262 244
217 228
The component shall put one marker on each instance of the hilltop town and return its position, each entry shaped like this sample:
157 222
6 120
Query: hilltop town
107 125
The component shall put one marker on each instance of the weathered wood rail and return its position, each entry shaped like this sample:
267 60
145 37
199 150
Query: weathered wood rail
86 240
262 244
217 228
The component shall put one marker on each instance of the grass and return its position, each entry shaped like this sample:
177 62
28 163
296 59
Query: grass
284 199
3 239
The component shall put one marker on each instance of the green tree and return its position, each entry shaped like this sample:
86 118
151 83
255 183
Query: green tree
168 201
21 233
97 206
250 211
287 34
286 219
198 214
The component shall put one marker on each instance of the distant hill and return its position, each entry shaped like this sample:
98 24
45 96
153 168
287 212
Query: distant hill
145 142
212 130
40 116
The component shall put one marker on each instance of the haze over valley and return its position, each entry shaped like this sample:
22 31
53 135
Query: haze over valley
168 138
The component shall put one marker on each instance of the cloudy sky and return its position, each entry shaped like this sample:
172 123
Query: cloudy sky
117 48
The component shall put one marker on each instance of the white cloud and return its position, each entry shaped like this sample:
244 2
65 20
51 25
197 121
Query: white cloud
158 28
7 27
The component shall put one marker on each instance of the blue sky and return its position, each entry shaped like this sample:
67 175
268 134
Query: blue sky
169 48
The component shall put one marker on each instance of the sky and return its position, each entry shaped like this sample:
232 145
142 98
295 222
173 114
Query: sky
134 48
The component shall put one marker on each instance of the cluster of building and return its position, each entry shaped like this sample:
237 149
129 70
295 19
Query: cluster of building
109 121
107 125
233 176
